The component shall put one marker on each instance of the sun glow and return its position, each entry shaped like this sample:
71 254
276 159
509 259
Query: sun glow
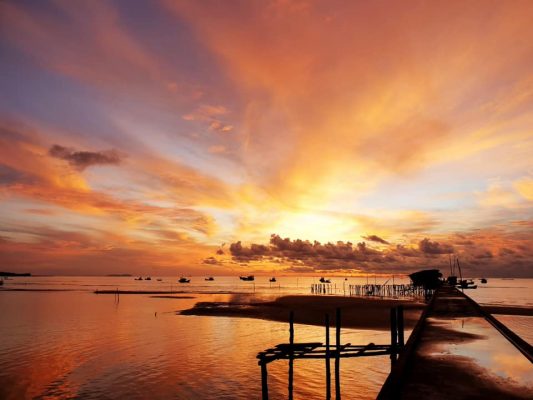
316 226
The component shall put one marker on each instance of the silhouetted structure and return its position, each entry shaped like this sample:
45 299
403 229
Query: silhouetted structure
372 290
317 350
428 278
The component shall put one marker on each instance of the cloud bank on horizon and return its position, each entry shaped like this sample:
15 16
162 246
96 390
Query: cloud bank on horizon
379 137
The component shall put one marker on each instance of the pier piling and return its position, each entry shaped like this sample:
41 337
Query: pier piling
393 335
291 353
337 355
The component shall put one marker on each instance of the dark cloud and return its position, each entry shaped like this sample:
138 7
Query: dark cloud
254 252
314 255
428 247
9 175
375 238
211 261
84 159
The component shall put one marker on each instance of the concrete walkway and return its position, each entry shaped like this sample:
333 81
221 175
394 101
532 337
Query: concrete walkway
457 351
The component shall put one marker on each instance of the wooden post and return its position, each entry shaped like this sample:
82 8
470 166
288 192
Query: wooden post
264 380
291 361
337 355
393 335
399 320
328 371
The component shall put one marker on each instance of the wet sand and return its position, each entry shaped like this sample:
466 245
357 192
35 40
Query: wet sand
508 310
455 353
361 313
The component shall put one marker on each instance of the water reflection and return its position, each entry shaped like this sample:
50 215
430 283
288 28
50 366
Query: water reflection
72 344
488 349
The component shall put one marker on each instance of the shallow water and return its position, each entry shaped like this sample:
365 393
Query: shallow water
489 350
74 343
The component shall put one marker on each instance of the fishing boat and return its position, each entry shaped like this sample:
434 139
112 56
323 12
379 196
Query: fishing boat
483 280
147 278
159 279
184 280
273 279
324 280
210 279
140 278
247 278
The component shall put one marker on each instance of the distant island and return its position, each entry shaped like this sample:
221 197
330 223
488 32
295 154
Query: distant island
119 275
14 274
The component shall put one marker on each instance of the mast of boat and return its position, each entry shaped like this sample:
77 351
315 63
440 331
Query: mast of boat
451 268
460 273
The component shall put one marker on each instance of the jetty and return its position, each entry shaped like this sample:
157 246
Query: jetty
458 350
327 351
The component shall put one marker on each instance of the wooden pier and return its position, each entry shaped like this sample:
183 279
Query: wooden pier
325 351
450 351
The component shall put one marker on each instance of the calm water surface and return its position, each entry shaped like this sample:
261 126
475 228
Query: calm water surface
73 343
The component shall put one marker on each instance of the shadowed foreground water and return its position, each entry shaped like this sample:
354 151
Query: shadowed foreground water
77 344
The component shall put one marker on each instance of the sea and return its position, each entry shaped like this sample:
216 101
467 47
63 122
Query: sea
61 340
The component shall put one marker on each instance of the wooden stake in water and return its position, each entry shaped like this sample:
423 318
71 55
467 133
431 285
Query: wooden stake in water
328 370
264 380
291 361
337 355
399 321
393 336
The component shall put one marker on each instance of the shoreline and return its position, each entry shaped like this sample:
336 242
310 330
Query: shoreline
360 313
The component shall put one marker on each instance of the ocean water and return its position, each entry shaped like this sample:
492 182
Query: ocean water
72 343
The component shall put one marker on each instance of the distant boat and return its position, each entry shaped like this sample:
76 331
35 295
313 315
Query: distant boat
324 280
140 278
467 284
147 278
273 279
159 279
184 280
247 278
483 280
210 279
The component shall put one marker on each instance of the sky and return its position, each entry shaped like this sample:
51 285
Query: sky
226 137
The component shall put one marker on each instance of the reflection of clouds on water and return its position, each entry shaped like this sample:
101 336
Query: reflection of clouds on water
487 348
514 366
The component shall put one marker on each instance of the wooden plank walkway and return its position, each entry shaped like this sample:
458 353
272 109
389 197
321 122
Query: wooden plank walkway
458 351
